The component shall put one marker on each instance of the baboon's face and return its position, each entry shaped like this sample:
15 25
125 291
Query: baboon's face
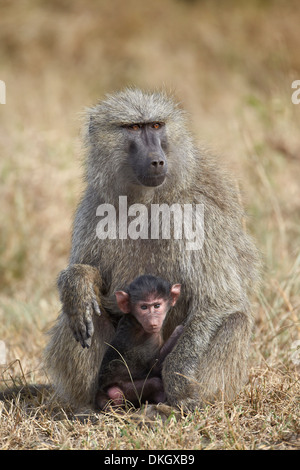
147 146
150 313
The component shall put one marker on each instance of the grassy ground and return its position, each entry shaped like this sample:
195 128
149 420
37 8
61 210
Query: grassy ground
231 67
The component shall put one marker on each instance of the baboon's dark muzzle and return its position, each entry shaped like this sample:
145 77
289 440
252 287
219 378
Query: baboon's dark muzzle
149 165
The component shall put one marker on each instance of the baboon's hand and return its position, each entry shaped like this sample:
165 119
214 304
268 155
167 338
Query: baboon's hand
81 320
76 285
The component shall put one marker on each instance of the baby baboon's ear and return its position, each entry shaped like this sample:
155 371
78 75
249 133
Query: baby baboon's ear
123 301
175 293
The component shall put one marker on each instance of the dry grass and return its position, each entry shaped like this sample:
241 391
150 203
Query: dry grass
232 67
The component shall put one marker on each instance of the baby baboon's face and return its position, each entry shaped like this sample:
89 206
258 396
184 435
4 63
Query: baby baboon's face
150 313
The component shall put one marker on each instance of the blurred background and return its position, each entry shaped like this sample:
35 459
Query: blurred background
231 65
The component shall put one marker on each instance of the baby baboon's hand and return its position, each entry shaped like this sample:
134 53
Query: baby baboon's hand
78 285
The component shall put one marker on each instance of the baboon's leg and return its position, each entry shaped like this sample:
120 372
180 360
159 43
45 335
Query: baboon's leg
73 369
217 374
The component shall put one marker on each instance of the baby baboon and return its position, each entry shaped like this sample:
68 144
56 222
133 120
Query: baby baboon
131 367
139 149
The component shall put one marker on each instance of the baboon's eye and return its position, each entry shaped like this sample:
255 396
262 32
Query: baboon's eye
134 127
156 125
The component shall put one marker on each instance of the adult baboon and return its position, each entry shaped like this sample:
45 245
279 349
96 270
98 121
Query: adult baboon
139 147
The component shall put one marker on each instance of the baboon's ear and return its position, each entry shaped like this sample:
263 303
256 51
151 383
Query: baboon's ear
123 301
175 293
